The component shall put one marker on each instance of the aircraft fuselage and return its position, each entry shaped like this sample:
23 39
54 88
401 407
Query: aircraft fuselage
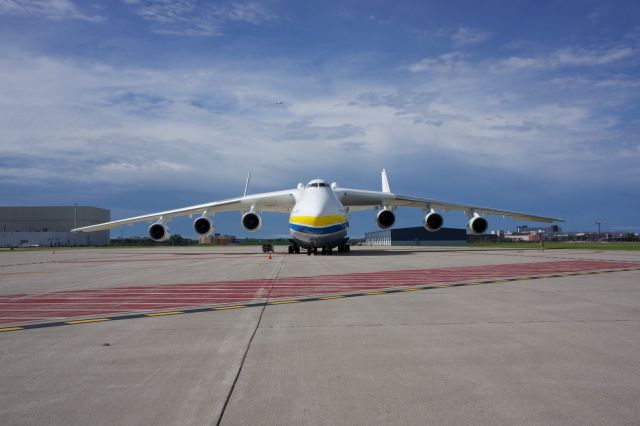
318 219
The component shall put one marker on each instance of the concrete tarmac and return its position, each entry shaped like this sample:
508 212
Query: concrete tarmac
562 350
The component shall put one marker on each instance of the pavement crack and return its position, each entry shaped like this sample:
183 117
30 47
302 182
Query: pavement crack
278 268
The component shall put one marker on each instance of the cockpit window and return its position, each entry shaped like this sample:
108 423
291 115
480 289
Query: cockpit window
317 184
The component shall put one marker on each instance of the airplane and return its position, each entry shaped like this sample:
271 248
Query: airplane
318 214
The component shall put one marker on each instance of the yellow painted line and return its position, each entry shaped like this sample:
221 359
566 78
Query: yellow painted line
282 302
374 292
86 321
441 286
411 289
11 329
222 308
157 314
330 297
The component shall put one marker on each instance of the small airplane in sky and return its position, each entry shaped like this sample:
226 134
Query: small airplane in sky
318 214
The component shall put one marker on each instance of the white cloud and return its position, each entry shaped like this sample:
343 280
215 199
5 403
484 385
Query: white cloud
192 18
252 12
566 58
459 62
90 123
50 9
463 36
447 62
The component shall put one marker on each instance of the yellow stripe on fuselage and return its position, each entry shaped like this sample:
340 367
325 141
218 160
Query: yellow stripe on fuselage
318 220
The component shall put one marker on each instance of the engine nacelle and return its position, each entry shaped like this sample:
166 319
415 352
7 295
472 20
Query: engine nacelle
251 221
203 226
433 221
159 232
385 218
478 225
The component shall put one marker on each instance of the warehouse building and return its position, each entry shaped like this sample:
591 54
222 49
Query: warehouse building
416 236
51 226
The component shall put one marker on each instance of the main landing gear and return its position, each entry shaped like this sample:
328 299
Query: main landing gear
294 249
325 251
344 248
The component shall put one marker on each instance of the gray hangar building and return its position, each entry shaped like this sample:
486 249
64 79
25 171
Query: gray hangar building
416 236
50 226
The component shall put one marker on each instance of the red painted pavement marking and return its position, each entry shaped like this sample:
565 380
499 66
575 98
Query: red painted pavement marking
76 303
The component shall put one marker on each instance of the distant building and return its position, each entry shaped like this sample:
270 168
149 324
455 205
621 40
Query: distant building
547 230
522 237
416 236
493 237
222 240
50 226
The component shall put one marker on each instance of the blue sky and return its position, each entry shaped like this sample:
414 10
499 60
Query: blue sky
139 106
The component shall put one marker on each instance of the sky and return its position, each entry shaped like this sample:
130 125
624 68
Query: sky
140 106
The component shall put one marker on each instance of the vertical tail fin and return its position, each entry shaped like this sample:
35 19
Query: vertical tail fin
246 185
385 182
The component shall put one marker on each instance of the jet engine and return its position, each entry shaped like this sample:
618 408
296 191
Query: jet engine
251 221
433 221
478 225
159 232
203 225
385 218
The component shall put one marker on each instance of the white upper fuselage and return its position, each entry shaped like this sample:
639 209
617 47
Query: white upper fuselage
318 218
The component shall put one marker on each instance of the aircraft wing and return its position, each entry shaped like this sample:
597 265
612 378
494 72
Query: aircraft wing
356 199
279 201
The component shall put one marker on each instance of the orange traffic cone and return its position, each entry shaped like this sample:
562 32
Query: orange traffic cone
269 255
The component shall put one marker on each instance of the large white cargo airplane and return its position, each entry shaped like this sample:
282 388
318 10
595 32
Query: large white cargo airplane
318 214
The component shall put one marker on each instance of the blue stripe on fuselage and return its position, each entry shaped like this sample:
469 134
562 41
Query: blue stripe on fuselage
319 230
